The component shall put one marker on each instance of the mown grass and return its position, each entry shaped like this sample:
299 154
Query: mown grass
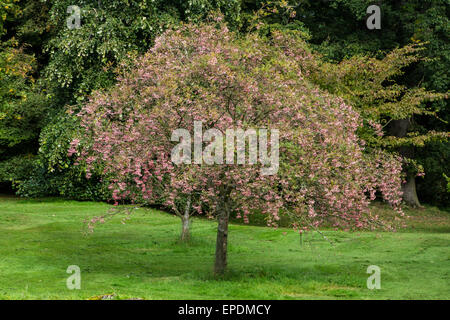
39 239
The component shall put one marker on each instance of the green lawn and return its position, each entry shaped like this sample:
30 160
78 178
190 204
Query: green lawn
39 239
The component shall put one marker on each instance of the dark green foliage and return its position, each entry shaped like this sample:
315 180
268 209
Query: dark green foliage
69 65
432 188
21 104
16 170
23 100
54 173
22 109
83 59
339 31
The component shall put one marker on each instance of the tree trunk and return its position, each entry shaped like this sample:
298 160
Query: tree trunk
399 128
409 191
185 232
185 223
222 242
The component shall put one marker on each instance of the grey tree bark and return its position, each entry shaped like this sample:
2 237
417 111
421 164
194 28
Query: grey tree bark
399 128
409 191
185 222
222 239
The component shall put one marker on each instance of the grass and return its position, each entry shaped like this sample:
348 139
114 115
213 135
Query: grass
39 239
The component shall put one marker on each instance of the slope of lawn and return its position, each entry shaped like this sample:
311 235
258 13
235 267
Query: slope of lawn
39 239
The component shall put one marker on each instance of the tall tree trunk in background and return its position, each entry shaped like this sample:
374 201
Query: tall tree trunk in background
409 191
399 128
222 239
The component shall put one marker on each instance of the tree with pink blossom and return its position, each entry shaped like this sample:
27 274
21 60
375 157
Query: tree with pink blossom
207 74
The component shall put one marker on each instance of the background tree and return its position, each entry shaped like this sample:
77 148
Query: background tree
69 63
22 101
369 85
338 31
